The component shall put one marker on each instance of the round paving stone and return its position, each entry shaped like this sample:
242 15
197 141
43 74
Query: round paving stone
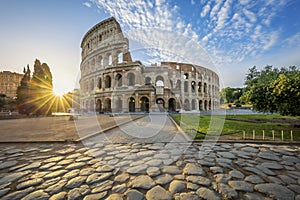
241 186
163 179
193 169
143 182
226 191
98 177
199 180
171 170
158 193
208 194
59 196
153 171
272 165
176 186
75 182
254 179
134 195
37 195
137 169
236 174
122 178
8 164
275 191
268 156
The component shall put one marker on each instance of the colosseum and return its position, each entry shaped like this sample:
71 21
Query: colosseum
112 82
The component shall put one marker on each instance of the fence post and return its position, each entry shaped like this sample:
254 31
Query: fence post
263 134
253 135
273 135
244 135
281 135
292 139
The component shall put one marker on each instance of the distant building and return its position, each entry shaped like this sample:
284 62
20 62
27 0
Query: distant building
9 83
112 82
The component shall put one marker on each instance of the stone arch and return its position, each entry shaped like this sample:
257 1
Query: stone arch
200 105
199 86
172 105
109 59
186 86
118 79
186 105
107 105
120 57
148 81
98 106
119 105
193 86
186 76
205 88
159 81
100 83
161 104
205 105
145 105
131 79
107 82
193 104
209 105
131 104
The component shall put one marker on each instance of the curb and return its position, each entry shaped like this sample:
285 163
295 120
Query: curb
107 129
180 130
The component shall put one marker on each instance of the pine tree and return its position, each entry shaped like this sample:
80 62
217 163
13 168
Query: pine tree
42 88
23 93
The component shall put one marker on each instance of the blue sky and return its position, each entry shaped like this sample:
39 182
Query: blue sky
228 36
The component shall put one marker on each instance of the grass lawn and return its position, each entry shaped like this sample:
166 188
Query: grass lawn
235 125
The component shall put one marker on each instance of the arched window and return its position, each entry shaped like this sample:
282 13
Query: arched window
159 81
178 84
120 57
109 59
131 79
193 86
205 88
148 81
199 87
186 76
119 80
107 82
193 104
100 83
186 86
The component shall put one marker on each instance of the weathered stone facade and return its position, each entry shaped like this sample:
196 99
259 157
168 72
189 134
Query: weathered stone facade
9 83
112 82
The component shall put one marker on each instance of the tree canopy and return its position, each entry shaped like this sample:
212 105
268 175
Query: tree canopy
273 90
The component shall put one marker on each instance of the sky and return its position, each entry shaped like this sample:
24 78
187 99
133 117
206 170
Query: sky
227 36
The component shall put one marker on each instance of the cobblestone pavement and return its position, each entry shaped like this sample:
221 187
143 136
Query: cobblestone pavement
149 171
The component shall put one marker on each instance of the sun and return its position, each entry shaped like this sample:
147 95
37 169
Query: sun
58 92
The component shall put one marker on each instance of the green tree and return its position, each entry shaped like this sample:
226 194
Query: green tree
24 103
42 89
270 89
231 95
286 90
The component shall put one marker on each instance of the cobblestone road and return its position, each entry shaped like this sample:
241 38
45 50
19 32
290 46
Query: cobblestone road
149 171
145 170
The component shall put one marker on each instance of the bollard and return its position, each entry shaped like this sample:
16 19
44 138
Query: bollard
292 135
263 134
273 135
253 135
281 135
244 135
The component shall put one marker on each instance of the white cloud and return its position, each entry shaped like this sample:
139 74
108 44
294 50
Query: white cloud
205 10
87 4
